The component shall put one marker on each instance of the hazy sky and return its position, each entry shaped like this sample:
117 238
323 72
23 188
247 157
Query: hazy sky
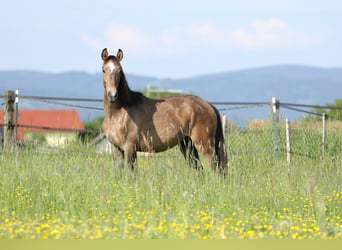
174 39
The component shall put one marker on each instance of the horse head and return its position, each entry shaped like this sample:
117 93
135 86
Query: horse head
112 74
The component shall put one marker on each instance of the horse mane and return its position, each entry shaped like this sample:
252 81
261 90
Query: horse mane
127 97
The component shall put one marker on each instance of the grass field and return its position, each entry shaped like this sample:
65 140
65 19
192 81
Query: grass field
48 194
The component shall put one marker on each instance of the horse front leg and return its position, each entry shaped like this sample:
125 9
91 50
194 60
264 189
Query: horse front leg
130 155
117 153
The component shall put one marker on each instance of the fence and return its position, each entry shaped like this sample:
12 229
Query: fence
275 136
10 122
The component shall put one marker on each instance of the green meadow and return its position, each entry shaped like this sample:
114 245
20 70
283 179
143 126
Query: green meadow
67 194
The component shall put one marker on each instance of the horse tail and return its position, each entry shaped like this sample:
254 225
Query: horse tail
220 146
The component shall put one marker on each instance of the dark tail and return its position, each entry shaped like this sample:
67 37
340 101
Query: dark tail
220 146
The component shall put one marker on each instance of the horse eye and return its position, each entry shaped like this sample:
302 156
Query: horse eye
103 70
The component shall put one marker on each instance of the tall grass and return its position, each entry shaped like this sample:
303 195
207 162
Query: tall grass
68 194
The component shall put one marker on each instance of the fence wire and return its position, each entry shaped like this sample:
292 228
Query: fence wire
247 141
301 110
306 141
244 107
55 100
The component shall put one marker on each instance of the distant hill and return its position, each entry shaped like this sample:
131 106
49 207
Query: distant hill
67 84
289 83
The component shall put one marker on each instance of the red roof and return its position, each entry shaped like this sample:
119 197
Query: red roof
46 121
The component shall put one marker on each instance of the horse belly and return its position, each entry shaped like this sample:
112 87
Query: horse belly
158 140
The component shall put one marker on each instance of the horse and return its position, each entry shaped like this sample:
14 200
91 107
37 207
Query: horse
134 122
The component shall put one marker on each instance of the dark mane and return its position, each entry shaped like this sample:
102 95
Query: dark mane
127 97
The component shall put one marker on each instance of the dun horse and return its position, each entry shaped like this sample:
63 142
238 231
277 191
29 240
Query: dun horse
134 122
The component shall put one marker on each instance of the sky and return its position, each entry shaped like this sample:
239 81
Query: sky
169 39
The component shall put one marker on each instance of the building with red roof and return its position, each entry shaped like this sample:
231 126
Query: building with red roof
54 127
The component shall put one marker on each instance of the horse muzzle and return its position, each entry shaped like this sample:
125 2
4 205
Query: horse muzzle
112 97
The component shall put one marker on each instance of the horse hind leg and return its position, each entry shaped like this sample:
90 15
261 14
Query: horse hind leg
205 145
189 152
194 157
215 155
183 146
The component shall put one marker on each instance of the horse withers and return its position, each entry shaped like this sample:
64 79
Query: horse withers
134 122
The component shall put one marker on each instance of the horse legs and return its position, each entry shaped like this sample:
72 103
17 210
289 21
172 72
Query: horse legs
117 153
205 144
192 157
182 146
208 151
130 154
122 157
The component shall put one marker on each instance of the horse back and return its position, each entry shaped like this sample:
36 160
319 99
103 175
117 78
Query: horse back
159 124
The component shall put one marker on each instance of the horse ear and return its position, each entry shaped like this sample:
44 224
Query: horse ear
119 55
104 54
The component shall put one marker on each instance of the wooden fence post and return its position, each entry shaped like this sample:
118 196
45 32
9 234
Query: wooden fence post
9 121
288 142
275 119
16 114
323 134
1 136
275 109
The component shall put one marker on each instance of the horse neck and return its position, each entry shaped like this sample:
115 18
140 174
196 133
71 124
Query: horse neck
125 93
124 90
